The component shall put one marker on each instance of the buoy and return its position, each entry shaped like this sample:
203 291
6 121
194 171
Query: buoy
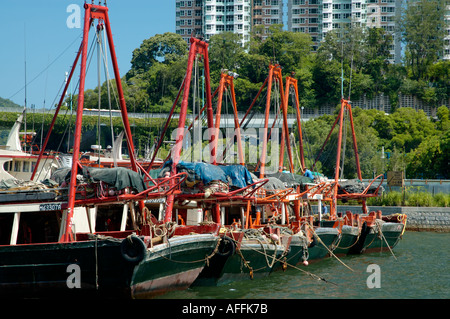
305 262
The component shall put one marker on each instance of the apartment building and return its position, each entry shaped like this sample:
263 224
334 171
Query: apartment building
209 17
447 36
188 18
317 17
314 17
267 13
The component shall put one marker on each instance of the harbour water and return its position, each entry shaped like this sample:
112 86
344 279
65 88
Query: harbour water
419 270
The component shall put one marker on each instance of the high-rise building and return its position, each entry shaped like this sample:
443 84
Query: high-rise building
447 35
267 13
314 17
188 18
209 17
317 17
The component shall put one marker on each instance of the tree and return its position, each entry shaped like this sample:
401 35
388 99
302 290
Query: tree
423 28
225 51
327 80
289 49
377 60
163 48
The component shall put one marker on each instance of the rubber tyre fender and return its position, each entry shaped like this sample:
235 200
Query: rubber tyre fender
226 247
133 249
313 242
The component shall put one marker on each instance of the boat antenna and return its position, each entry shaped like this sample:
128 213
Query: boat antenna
342 65
25 71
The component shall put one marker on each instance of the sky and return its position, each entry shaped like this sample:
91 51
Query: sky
43 35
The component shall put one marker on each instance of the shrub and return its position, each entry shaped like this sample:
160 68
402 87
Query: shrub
441 200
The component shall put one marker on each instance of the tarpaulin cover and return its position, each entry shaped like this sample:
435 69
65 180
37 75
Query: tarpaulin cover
356 186
119 177
291 179
239 175
234 175
274 184
197 171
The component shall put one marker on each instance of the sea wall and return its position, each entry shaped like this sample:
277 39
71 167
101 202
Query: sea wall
435 219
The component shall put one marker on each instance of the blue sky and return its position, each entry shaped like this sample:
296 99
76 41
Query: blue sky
40 29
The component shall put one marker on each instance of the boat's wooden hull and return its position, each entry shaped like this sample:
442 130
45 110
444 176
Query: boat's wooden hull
297 253
374 239
55 269
98 268
349 237
248 259
172 266
320 249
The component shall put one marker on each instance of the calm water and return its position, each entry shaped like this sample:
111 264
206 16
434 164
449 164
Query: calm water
421 271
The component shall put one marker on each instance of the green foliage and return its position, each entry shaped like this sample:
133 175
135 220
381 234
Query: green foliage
423 28
163 48
7 103
413 143
392 198
225 51
143 130
360 55
410 198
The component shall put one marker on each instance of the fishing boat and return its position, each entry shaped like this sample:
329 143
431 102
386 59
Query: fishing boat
363 232
89 233
218 191
16 164
379 233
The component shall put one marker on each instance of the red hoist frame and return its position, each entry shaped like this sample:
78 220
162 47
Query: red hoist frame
292 83
274 76
345 105
100 13
197 47
226 82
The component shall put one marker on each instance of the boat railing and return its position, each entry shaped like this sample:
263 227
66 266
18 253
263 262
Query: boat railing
101 191
277 196
241 194
364 193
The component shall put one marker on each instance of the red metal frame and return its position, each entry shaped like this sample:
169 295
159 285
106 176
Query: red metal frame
226 82
197 47
345 105
100 13
291 82
274 75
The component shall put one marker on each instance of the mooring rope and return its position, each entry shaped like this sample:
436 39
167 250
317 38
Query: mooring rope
331 253
379 224
283 261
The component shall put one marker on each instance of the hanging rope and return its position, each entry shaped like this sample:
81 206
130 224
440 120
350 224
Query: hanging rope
323 244
283 261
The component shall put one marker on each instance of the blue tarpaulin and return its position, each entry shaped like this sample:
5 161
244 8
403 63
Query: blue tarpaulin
199 171
238 174
234 175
